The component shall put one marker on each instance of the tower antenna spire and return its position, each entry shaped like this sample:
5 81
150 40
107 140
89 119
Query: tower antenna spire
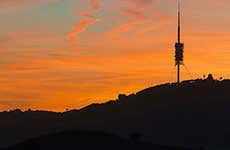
179 46
178 21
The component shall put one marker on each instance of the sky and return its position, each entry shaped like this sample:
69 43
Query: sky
66 54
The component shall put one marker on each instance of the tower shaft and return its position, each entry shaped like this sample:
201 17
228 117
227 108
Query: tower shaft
179 47
178 64
178 73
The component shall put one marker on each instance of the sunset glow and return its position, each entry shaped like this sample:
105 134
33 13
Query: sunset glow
67 54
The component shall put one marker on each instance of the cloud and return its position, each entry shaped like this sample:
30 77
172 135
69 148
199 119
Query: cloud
79 28
137 19
82 26
164 19
136 12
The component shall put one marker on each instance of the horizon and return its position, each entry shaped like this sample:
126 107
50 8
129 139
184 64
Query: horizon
208 77
59 55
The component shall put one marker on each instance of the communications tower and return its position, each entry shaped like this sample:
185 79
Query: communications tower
179 46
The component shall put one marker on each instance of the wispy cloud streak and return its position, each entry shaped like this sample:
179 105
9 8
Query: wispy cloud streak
164 20
139 18
135 12
82 26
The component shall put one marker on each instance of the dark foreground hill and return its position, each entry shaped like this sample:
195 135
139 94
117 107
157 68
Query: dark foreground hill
86 140
193 114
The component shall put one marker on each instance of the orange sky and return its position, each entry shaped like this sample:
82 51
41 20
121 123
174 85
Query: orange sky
128 46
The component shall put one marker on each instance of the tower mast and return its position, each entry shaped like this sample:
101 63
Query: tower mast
178 22
179 47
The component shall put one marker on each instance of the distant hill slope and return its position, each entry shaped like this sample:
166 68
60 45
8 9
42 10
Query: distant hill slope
86 140
192 114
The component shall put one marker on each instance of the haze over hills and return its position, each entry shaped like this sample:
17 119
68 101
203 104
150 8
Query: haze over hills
192 114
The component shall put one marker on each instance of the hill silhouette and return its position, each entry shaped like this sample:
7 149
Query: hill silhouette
86 140
192 114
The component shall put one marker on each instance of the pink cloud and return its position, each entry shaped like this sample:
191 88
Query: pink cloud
82 26
136 12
